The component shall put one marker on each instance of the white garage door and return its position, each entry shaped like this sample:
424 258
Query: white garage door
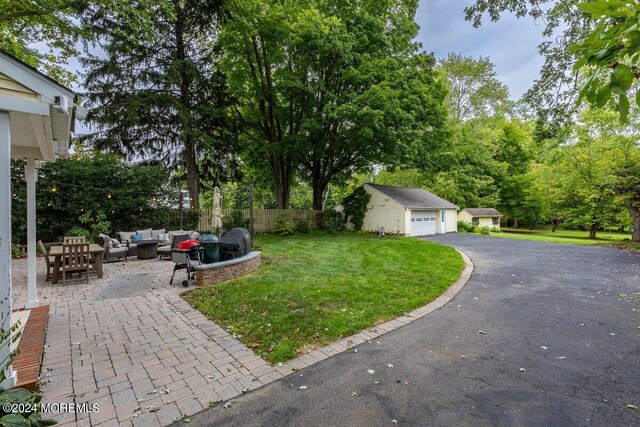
423 223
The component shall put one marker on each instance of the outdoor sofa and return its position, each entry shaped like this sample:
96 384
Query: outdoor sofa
126 239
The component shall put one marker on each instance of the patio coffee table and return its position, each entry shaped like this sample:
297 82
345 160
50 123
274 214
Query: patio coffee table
147 248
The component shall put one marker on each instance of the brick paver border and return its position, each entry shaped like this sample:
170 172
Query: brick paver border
31 348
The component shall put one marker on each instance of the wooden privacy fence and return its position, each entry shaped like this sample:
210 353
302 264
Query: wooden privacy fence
264 218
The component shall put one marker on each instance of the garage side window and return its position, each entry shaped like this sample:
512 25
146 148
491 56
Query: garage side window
495 221
475 220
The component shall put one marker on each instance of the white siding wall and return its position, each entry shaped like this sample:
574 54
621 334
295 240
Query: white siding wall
387 213
483 221
10 87
452 221
464 216
488 222
407 222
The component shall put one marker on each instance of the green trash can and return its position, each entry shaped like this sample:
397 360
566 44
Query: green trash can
211 246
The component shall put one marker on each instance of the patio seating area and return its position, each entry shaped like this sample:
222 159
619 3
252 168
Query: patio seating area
128 342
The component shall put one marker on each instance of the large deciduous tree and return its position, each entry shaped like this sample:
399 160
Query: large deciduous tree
155 88
589 179
50 23
554 92
592 46
611 53
474 90
331 87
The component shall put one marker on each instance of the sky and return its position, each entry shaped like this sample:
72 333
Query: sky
510 43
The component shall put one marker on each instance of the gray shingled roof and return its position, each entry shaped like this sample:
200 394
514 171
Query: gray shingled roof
483 211
414 197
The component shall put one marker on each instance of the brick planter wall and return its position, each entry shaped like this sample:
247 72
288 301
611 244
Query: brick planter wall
209 274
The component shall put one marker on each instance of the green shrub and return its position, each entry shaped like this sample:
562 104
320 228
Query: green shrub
16 251
332 221
26 399
495 229
236 219
355 207
97 222
463 227
282 225
19 398
484 230
79 231
303 226
130 197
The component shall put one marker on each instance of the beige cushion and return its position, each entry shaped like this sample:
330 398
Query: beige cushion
125 236
195 235
154 233
104 236
146 234
173 233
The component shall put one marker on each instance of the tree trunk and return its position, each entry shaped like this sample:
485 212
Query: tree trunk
318 185
555 223
192 174
515 222
282 176
635 217
318 198
593 230
185 96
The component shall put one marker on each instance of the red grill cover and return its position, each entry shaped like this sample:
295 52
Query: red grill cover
187 244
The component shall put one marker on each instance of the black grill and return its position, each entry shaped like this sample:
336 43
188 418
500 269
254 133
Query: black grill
235 243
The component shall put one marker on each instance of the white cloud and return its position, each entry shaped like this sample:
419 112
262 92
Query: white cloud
510 43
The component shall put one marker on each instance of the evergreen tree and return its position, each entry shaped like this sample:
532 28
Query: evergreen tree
155 89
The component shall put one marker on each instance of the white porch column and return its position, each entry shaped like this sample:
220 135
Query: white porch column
30 174
5 245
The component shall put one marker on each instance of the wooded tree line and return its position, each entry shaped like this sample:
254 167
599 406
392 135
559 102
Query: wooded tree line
309 94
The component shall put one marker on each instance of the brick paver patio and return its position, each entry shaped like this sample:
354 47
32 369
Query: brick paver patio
129 343
147 358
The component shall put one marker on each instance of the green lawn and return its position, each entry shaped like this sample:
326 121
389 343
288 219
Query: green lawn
313 290
574 237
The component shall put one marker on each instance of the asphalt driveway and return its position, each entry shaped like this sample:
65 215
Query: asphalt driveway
542 334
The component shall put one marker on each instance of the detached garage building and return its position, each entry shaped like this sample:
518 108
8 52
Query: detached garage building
409 211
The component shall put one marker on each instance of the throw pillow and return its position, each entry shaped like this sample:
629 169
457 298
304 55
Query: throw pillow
115 243
146 234
136 237
155 234
195 235
164 237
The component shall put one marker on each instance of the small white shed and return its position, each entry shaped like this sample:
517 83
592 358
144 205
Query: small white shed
409 211
484 217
